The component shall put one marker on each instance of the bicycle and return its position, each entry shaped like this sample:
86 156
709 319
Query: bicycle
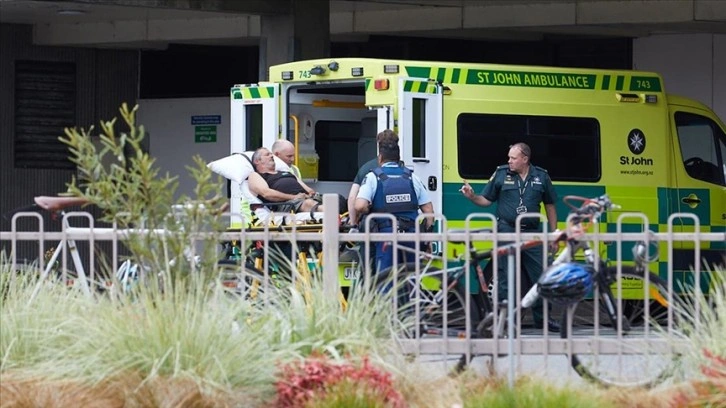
442 310
49 262
238 271
72 272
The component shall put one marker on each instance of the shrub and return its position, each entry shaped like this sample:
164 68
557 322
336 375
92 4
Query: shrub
701 341
530 392
124 181
320 381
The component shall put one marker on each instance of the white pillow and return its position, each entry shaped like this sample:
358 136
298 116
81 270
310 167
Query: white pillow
247 194
281 165
236 167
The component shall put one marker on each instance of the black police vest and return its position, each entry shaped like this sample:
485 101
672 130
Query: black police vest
395 193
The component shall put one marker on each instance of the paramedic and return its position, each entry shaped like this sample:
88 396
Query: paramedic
519 187
394 189
285 150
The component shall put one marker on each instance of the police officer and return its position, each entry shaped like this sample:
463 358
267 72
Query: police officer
393 189
385 136
519 187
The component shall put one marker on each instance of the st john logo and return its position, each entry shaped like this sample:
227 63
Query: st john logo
636 141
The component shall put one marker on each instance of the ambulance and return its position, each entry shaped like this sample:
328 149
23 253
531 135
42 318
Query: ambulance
595 131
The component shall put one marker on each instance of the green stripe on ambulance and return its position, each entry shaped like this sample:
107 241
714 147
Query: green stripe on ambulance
419 86
537 79
263 92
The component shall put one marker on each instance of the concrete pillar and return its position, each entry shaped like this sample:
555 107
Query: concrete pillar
276 42
312 29
304 33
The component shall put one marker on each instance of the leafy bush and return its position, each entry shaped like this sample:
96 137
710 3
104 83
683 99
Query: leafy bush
320 381
31 333
321 324
527 392
701 339
121 178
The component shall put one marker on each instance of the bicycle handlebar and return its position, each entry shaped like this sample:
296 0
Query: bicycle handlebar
590 208
590 205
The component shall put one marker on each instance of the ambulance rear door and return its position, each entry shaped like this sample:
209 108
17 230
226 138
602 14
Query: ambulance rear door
254 122
421 132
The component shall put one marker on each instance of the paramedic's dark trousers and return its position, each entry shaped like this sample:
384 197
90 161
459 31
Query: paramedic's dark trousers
531 263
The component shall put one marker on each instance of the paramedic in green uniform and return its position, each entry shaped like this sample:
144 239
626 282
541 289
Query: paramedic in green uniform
285 150
519 187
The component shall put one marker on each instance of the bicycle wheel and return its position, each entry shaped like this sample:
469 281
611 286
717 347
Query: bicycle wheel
437 310
635 355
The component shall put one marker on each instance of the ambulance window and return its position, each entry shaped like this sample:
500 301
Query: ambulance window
418 149
568 148
703 147
253 127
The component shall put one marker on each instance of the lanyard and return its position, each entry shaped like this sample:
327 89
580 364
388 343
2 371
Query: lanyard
522 189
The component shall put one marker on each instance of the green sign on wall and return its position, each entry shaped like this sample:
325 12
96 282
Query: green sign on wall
205 134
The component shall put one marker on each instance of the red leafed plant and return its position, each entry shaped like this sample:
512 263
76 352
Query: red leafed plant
708 392
717 370
301 383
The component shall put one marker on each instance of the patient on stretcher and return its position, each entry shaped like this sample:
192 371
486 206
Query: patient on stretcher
272 185
267 196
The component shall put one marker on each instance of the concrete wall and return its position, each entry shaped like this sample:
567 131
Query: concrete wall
692 65
104 78
172 134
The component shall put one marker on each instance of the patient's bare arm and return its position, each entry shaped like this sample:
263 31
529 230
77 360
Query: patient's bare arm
259 186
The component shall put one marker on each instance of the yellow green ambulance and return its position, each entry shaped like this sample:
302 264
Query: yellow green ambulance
595 131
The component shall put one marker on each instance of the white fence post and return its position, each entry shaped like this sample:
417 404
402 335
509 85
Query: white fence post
331 236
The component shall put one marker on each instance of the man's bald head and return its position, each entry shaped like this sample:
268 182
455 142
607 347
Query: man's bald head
285 150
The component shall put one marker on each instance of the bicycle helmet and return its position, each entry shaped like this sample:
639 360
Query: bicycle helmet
565 284
127 275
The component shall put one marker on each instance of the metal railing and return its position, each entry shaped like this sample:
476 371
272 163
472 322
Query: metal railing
514 348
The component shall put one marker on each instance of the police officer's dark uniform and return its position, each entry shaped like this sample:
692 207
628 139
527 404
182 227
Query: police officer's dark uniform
515 196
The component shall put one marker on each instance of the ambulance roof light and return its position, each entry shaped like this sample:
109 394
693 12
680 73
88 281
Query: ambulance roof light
356 71
286 75
390 69
333 66
651 98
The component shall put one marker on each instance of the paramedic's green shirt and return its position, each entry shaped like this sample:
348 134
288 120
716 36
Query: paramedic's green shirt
364 169
296 171
505 188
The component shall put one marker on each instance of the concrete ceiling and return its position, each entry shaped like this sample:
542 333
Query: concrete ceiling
156 23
